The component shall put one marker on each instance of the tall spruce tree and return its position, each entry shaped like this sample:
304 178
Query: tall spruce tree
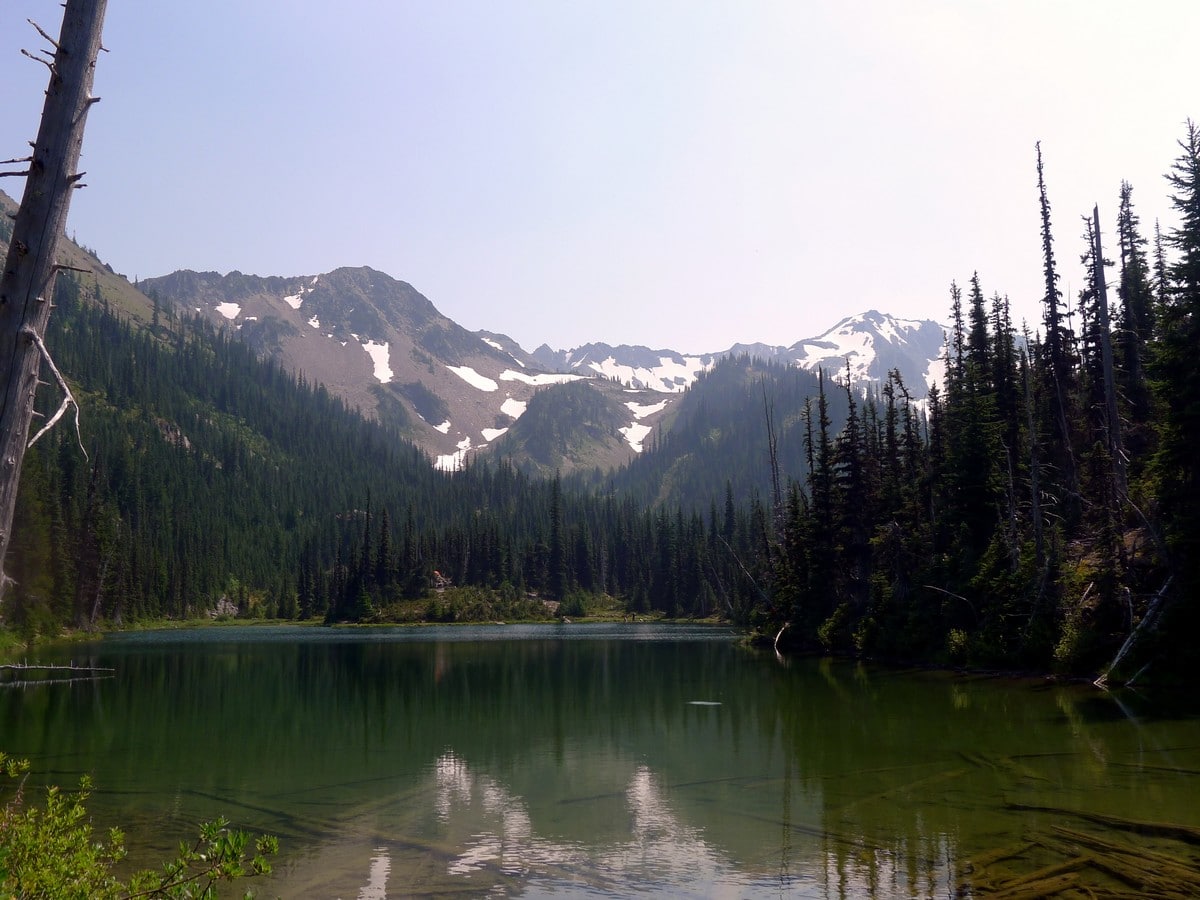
1136 327
1178 374
1057 368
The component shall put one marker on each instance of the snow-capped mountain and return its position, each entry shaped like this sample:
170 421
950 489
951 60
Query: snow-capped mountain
384 348
867 346
871 344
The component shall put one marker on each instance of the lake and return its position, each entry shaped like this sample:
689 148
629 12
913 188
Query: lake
615 761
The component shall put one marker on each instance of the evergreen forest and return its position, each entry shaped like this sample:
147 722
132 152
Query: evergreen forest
1040 510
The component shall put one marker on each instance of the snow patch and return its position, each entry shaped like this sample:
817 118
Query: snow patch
936 373
490 434
229 310
495 346
473 378
452 462
379 356
514 408
294 300
670 376
640 411
314 322
444 428
539 379
635 434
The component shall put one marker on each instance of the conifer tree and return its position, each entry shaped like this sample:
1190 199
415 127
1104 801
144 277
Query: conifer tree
1178 374
1056 368
557 579
1136 322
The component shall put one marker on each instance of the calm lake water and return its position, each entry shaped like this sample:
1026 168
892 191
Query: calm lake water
612 761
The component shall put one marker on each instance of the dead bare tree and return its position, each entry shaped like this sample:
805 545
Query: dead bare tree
27 283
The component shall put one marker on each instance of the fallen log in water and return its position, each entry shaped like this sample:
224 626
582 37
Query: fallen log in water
27 667
1149 862
14 670
1089 863
1035 888
1186 833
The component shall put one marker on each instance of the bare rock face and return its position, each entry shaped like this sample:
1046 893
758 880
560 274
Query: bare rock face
386 350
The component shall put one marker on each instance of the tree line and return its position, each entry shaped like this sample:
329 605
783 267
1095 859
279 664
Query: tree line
211 473
1045 506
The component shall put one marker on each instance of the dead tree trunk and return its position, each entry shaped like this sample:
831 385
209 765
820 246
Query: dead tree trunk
27 282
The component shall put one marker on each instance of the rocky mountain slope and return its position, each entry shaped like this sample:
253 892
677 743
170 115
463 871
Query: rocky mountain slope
387 350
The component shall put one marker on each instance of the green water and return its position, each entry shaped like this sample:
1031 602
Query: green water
602 760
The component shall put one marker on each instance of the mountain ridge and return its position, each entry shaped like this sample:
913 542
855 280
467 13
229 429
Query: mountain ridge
386 350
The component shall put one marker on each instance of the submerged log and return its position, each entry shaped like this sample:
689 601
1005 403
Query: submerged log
1153 863
1186 833
1035 888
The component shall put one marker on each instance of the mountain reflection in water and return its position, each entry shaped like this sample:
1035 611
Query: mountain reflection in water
613 761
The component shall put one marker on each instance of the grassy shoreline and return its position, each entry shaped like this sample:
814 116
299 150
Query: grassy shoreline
455 606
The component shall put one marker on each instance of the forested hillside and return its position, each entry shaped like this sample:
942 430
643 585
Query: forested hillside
716 439
211 474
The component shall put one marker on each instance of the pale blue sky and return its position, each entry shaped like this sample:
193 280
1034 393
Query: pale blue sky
685 174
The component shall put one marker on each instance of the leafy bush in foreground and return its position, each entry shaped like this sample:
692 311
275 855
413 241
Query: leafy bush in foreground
51 852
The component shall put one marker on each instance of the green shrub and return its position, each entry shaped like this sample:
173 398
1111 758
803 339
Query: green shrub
51 852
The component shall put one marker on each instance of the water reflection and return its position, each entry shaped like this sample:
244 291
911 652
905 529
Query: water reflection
574 761
658 849
377 877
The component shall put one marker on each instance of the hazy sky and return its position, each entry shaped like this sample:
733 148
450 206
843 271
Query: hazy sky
667 172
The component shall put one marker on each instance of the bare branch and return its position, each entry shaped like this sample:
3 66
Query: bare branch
951 594
40 31
63 267
14 174
16 159
48 63
68 397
